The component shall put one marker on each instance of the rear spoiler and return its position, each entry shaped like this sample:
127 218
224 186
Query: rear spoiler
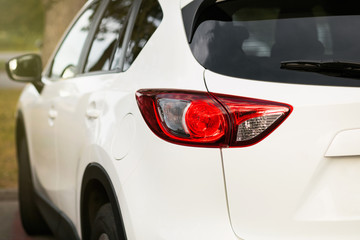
191 13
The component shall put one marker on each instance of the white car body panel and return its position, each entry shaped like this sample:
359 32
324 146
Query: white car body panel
345 144
149 182
285 185
42 142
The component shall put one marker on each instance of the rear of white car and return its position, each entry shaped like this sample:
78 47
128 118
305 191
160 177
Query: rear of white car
221 120
301 180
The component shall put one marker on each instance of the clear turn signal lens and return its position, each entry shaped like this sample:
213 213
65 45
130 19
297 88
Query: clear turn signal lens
253 127
252 119
171 112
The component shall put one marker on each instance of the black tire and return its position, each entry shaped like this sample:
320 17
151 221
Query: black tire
104 227
31 218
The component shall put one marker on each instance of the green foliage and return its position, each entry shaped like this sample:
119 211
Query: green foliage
8 164
21 24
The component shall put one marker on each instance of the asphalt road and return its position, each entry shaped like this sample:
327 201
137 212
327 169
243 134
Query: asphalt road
4 56
10 227
5 82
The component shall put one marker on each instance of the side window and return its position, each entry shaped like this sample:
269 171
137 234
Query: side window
67 58
147 21
106 39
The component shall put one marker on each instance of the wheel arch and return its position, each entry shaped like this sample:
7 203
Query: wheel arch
96 190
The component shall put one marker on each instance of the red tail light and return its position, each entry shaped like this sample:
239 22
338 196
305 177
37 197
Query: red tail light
209 120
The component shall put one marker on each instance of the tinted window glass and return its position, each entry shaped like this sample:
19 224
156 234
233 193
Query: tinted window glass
107 36
148 19
67 58
250 39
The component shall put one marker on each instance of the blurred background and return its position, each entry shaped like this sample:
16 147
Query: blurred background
25 26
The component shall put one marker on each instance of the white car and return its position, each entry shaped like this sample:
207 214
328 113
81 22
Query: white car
196 120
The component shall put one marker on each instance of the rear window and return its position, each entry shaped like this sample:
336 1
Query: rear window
249 39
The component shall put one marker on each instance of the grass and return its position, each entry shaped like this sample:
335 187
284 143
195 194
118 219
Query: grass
2 65
8 164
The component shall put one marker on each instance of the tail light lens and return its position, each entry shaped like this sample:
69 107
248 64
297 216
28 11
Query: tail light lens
185 117
209 120
252 119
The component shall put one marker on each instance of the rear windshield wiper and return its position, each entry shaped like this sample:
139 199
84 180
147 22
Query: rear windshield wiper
331 68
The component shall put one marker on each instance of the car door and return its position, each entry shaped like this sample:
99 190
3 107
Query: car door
84 102
44 112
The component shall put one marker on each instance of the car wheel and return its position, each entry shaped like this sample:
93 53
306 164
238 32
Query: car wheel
104 227
31 217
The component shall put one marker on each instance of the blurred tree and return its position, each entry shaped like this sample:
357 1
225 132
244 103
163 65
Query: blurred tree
21 23
18 17
58 15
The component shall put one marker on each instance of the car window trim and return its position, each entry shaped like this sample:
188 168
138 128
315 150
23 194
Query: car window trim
88 43
127 31
120 39
130 27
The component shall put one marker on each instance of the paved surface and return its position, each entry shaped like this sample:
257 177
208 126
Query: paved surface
4 56
5 82
10 223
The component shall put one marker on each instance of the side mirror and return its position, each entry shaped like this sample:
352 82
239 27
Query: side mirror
25 68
